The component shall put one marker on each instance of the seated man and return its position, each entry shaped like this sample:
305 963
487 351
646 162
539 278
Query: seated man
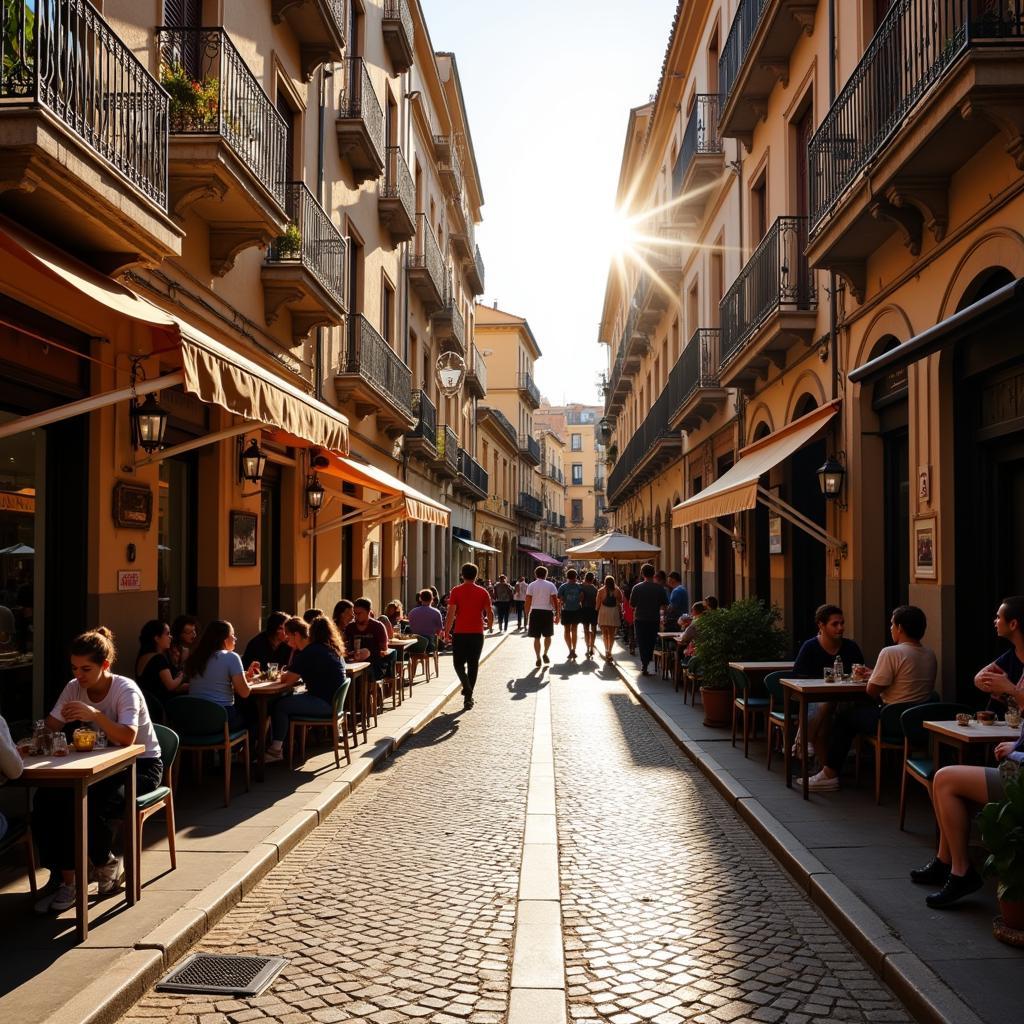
425 622
367 640
1003 678
270 646
903 674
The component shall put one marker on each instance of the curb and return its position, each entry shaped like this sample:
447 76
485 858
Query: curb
108 997
923 993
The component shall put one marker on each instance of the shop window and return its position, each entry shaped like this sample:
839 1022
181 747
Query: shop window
176 529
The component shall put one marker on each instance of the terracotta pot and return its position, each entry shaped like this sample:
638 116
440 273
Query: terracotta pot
717 706
1012 913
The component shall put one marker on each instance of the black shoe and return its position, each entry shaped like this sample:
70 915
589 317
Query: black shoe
538 663
467 703
935 872
547 660
956 888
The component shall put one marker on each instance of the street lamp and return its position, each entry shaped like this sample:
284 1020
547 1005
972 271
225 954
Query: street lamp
830 477
451 369
251 462
149 424
604 430
314 493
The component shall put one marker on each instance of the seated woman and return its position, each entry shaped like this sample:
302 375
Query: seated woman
216 674
395 615
319 663
307 616
115 705
11 765
153 670
343 612
184 633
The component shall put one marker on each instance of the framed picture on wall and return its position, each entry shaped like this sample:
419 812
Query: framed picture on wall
374 558
925 548
774 535
242 541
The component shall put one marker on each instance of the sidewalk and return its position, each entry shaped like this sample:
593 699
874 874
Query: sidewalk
222 853
853 860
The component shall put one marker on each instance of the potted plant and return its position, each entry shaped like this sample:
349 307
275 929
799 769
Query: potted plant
289 245
193 105
1002 832
748 630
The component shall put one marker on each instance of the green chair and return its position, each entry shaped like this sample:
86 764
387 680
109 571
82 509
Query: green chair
693 674
776 710
149 803
337 720
203 726
917 759
888 736
746 705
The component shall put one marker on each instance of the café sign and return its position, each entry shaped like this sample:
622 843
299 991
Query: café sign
128 580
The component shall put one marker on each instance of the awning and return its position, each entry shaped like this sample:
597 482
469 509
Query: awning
976 317
544 559
737 489
614 546
476 545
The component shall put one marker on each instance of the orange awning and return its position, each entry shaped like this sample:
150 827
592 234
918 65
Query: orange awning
736 489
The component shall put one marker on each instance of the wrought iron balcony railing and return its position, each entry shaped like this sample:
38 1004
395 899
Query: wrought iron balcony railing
474 473
775 278
428 254
370 356
530 447
528 505
527 384
213 92
448 449
478 265
737 44
696 367
477 368
62 55
426 417
450 312
914 46
561 522
398 183
652 432
502 420
315 242
448 162
397 28
600 523
701 137
359 102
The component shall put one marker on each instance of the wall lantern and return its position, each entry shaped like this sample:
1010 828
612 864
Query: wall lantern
314 493
830 477
149 424
451 369
604 430
251 462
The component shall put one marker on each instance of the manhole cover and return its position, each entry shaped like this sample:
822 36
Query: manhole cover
223 975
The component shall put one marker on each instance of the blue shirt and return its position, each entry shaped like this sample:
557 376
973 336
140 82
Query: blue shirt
679 599
321 668
570 594
813 659
214 683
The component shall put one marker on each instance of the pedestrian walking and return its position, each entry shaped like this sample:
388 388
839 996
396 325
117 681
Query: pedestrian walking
503 594
588 612
541 612
468 605
570 595
647 599
519 600
610 601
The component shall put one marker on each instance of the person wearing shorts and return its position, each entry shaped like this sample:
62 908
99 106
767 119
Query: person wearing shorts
542 608
570 595
588 612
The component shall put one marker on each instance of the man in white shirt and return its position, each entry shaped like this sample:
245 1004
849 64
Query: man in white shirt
541 612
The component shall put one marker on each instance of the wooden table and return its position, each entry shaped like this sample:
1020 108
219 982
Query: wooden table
79 771
764 667
401 644
805 690
359 673
963 737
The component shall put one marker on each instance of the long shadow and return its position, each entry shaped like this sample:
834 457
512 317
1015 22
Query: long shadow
535 681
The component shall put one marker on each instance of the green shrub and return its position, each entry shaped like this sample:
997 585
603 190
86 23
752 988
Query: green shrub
289 245
1002 832
747 630
193 105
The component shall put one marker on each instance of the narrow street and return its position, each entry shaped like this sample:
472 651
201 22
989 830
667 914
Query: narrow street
403 905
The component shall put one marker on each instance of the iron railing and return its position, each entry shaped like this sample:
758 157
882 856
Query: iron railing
654 428
479 367
62 55
561 522
339 12
315 242
450 311
552 472
398 10
473 471
398 182
776 277
359 102
213 92
428 254
448 162
701 137
527 384
448 448
696 367
478 261
370 356
528 505
916 43
737 44
426 417
503 421
530 446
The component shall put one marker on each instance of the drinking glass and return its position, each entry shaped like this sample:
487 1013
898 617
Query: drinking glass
829 675
59 745
101 740
272 670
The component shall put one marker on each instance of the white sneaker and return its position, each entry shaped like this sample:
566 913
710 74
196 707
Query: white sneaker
63 897
109 876
821 783
272 756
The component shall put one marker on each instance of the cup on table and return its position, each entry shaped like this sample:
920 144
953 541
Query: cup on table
986 718
829 675
963 719
273 668
1013 718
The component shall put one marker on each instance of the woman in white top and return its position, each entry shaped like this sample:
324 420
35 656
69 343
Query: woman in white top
115 705
10 765
215 671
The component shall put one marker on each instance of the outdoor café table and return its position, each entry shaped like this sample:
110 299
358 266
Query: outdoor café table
963 737
78 771
667 640
358 693
263 692
804 691
401 644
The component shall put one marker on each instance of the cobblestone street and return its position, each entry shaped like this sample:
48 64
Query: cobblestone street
402 906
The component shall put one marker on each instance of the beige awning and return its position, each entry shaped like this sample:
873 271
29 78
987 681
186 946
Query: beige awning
614 546
737 489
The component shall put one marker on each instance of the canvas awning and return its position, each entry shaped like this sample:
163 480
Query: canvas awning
544 559
736 490
614 546
476 545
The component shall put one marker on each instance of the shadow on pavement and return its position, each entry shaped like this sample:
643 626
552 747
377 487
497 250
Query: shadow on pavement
534 682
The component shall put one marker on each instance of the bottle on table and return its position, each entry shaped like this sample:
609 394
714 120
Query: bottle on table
837 669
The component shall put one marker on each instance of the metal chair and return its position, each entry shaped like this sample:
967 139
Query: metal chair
337 720
916 765
747 706
776 709
163 796
203 726
888 736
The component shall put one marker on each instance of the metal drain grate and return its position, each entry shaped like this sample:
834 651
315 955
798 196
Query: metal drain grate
223 975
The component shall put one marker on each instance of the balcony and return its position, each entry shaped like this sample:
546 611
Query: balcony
755 57
396 200
653 447
228 160
699 164
472 478
561 522
601 524
476 374
426 267
475 273
912 115
529 449
397 29
500 420
770 307
360 124
529 393
449 327
666 262
633 346
694 394
599 485
318 25
373 379
447 462
462 234
552 472
529 507
421 441
448 165
84 135
305 267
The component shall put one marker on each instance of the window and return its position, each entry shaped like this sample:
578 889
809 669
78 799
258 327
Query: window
577 442
575 541
577 511
387 312
577 472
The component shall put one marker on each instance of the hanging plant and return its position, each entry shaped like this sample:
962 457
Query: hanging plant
194 104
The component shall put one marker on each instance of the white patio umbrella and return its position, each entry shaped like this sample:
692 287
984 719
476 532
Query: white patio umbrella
18 551
613 547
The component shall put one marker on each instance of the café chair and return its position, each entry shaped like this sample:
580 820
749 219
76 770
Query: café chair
149 803
888 736
745 705
19 833
776 710
693 676
203 726
337 720
416 659
917 758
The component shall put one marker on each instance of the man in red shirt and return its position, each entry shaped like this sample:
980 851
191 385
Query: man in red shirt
468 605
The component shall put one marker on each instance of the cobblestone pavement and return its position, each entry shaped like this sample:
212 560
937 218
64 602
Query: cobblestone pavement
671 908
401 906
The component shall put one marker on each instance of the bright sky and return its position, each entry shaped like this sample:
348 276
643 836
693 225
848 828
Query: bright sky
548 87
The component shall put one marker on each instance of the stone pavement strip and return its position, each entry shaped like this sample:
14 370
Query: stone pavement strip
437 892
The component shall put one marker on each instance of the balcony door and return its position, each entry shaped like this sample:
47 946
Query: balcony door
183 13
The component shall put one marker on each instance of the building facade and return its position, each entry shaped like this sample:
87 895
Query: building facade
496 527
552 490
